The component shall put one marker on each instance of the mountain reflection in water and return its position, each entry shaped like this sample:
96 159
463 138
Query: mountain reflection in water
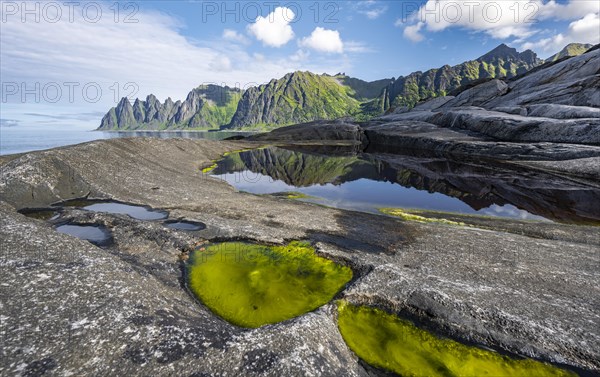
344 178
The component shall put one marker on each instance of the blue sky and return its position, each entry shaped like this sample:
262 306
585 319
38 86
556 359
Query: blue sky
76 62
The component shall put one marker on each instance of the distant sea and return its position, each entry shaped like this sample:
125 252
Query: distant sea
19 139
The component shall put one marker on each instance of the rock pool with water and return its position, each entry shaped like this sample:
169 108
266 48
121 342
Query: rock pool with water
185 225
251 285
386 341
134 211
369 182
96 234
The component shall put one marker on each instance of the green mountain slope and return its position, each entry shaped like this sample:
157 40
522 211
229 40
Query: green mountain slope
570 50
295 98
502 61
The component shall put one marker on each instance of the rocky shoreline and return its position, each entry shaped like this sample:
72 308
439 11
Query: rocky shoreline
71 307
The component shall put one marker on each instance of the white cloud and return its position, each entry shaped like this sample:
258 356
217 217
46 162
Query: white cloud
569 11
274 30
234 36
584 30
300 55
358 47
498 19
372 9
324 40
413 32
152 53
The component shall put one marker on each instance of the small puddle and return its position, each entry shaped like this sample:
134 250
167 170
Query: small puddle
134 211
185 225
251 285
389 342
40 214
96 234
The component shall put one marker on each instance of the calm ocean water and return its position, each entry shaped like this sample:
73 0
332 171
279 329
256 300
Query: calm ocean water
20 139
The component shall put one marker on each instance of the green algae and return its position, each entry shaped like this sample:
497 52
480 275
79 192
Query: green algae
388 342
210 168
252 285
292 195
396 212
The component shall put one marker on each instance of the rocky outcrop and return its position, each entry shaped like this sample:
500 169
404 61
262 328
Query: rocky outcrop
208 106
559 103
326 131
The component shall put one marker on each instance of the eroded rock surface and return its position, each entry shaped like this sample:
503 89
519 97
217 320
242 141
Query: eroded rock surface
69 307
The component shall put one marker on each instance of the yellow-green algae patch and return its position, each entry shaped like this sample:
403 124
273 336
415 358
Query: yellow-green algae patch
412 217
252 285
386 341
292 195
210 168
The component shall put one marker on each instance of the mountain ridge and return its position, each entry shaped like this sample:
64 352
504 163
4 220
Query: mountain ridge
305 96
501 62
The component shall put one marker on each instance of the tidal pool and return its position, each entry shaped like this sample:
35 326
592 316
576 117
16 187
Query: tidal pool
389 342
185 225
251 285
134 211
367 182
40 214
96 234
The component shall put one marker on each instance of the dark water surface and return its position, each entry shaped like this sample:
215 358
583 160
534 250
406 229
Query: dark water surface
96 234
185 225
137 212
366 182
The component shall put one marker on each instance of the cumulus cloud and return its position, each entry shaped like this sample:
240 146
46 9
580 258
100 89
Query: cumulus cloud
234 36
324 40
498 19
585 30
413 32
274 30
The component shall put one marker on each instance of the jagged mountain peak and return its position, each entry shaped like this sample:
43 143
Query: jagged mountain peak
502 51
207 106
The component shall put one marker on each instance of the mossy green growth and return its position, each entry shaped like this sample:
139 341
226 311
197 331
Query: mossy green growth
210 168
388 342
412 217
252 285
291 195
